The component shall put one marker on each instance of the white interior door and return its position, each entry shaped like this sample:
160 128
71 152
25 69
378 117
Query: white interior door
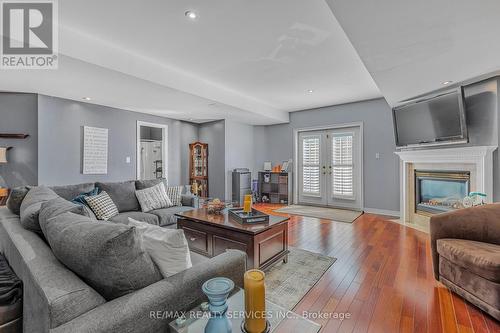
329 168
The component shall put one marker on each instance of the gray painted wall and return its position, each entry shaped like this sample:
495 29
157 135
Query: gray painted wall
213 133
61 122
239 150
381 176
18 114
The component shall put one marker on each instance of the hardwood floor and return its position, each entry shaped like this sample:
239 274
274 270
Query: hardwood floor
382 277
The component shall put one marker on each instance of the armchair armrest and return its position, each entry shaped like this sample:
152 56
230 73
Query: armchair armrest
151 309
480 224
188 200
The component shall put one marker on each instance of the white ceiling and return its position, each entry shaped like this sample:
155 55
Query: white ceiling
251 61
411 47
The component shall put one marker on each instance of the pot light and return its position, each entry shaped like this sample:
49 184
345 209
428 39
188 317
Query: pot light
191 15
445 83
86 98
310 91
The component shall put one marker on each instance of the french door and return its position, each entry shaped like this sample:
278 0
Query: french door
329 168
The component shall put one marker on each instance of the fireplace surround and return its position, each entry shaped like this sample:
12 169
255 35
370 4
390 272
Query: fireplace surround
477 161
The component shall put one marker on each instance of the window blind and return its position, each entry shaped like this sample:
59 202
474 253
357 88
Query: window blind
342 165
311 165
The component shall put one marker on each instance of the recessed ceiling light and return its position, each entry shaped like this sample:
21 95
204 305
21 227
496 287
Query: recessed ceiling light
190 119
445 83
87 98
310 91
191 15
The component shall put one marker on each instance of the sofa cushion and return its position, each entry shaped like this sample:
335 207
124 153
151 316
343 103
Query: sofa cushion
110 257
103 207
461 279
16 197
142 184
167 215
30 207
57 206
139 216
154 197
122 194
69 192
480 258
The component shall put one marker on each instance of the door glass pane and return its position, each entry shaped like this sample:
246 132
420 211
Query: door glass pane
342 165
310 165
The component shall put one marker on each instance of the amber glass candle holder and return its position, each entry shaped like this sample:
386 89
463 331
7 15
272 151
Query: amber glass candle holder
255 303
247 204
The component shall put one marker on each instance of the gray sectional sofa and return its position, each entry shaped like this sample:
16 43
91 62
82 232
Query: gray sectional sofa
56 299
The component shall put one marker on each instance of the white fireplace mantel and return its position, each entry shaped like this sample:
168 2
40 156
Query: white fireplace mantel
479 156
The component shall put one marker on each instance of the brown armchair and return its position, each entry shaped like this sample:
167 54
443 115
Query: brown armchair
466 254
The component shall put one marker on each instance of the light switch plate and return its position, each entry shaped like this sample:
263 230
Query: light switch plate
127 159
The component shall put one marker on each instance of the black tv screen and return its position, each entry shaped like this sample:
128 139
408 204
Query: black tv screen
435 120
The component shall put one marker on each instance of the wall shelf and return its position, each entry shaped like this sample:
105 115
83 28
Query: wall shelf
13 136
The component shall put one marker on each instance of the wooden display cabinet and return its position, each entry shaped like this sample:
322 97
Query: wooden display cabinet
198 168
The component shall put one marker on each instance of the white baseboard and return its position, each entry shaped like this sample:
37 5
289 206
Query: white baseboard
385 212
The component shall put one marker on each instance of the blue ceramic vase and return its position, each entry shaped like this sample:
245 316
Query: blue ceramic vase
217 291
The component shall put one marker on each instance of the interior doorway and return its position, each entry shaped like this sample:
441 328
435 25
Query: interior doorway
152 143
329 167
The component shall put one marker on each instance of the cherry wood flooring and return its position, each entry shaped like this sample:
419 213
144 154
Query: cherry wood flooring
382 277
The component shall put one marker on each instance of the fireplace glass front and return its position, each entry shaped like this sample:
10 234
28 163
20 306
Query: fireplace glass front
440 191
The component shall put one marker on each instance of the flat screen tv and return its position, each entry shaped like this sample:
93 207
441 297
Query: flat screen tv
432 121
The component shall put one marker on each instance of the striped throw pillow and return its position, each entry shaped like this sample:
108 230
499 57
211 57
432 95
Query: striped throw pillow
102 205
174 193
154 197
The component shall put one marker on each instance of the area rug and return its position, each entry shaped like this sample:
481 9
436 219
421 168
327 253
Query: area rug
287 284
334 214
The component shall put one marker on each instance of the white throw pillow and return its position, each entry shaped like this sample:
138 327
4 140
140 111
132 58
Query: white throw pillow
175 195
168 248
154 197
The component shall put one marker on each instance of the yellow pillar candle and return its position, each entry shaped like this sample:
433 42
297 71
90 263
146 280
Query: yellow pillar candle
247 204
255 301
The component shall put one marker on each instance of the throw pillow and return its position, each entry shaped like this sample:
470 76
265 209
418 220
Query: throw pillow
30 207
122 194
109 257
58 206
153 198
80 198
168 248
102 206
174 193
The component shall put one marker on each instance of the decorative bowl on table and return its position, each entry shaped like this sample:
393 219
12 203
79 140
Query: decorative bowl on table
215 206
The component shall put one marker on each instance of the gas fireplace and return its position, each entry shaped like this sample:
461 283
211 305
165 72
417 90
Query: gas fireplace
440 191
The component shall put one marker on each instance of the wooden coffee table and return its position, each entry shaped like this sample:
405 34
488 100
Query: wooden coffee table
210 235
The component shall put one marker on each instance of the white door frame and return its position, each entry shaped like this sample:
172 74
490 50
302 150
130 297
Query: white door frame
296 132
164 143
